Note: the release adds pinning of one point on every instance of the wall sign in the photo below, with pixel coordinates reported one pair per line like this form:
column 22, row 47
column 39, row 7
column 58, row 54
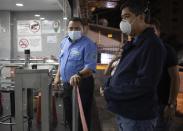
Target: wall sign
column 29, row 42
column 29, row 35
column 50, row 26
column 23, row 43
column 29, row 27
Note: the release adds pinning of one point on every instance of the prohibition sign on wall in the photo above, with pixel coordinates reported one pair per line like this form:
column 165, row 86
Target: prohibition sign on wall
column 35, row 26
column 23, row 43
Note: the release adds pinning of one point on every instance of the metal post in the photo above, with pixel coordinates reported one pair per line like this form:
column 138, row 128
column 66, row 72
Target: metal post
column 19, row 103
column 75, row 111
column 30, row 107
column 45, row 104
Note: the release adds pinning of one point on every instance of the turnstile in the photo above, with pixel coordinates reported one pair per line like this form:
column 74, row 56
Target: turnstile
column 27, row 79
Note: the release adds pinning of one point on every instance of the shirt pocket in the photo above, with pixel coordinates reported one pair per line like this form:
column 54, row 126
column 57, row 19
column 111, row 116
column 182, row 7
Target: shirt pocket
column 75, row 60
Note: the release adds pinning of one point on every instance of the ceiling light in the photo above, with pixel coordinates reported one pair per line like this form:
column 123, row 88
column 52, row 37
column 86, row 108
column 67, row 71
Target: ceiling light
column 37, row 15
column 19, row 4
column 111, row 4
column 42, row 18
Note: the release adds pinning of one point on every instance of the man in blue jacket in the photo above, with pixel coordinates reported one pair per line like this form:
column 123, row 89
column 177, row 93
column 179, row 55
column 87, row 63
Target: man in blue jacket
column 131, row 92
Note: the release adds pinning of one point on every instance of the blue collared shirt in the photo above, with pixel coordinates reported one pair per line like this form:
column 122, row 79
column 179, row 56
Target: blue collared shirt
column 76, row 56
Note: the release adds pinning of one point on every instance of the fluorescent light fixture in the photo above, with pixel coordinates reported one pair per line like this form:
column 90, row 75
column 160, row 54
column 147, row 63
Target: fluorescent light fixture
column 65, row 18
column 19, row 4
column 42, row 18
column 37, row 15
column 111, row 4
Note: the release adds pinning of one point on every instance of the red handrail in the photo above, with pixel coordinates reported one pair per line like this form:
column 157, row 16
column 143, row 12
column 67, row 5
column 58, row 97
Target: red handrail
column 82, row 116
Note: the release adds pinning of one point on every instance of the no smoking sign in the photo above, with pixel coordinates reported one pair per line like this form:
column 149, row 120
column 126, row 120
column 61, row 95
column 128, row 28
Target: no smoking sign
column 23, row 43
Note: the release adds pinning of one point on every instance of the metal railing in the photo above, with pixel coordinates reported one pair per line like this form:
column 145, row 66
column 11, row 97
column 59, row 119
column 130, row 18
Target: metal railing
column 75, row 111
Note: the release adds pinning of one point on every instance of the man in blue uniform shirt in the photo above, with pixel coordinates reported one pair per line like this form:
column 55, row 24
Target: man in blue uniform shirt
column 77, row 62
column 131, row 92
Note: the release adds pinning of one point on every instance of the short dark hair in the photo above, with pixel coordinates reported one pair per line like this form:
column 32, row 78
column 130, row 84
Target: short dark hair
column 155, row 22
column 135, row 6
column 76, row 19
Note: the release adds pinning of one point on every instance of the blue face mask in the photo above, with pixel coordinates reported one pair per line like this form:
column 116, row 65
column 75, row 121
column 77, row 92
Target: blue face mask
column 74, row 35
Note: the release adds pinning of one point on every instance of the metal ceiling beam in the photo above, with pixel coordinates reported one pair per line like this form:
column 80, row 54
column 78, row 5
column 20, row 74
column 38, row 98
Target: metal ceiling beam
column 60, row 5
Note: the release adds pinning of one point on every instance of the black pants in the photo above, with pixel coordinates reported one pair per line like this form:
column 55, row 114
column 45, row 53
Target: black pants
column 86, row 89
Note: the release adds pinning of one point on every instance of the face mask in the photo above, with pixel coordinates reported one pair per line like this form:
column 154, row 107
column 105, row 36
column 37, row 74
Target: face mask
column 74, row 35
column 125, row 27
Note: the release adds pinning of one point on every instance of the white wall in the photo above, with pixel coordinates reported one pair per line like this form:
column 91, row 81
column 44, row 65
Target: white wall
column 5, row 39
column 47, row 48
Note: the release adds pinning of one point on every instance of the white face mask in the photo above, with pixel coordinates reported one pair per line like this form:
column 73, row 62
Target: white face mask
column 125, row 27
column 74, row 35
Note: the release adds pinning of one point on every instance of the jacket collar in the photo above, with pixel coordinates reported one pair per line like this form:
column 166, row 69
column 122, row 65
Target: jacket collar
column 138, row 40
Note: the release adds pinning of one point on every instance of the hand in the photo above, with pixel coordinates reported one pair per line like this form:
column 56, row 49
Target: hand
column 75, row 80
column 56, row 82
column 169, row 113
